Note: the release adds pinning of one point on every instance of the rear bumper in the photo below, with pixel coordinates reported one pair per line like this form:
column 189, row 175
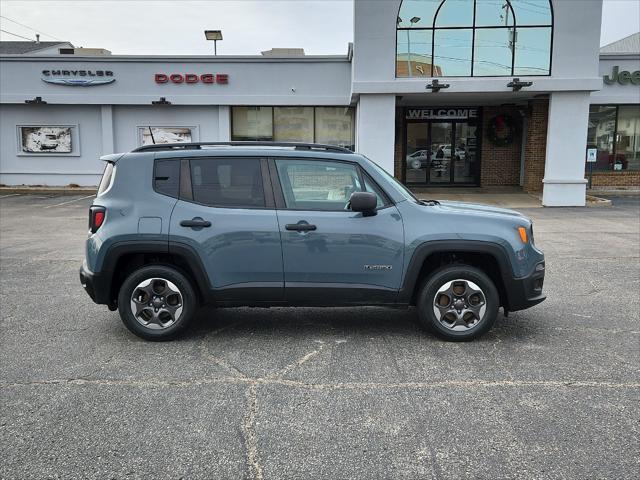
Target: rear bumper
column 526, row 292
column 95, row 285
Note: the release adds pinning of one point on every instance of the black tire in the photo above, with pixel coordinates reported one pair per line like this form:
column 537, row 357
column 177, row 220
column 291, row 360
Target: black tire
column 188, row 302
column 427, row 293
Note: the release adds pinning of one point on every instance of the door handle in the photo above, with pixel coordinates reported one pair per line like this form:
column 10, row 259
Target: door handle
column 195, row 222
column 300, row 227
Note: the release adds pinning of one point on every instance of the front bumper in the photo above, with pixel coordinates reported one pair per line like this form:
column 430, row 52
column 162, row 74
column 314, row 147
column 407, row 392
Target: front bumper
column 95, row 285
column 525, row 292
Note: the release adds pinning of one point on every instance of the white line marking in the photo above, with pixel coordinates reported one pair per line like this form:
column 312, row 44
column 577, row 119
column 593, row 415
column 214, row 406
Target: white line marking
column 10, row 195
column 70, row 201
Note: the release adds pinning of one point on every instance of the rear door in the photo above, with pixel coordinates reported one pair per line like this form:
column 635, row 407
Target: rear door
column 332, row 255
column 226, row 215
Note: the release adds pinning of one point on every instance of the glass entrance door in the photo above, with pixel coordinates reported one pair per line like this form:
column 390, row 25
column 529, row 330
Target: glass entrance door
column 418, row 154
column 441, row 153
column 441, row 141
column 466, row 167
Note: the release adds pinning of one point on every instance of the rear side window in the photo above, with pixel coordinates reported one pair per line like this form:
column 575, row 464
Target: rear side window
column 107, row 178
column 227, row 182
column 166, row 177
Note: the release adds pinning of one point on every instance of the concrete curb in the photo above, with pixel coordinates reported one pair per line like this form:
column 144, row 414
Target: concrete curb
column 24, row 190
column 593, row 201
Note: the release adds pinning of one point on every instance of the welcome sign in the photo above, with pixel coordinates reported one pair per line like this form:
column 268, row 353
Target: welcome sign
column 453, row 113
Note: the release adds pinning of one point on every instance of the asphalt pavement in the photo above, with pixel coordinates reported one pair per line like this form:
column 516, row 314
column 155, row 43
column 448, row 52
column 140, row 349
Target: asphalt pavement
column 551, row 392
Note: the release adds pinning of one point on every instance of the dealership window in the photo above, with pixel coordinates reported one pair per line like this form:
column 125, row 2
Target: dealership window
column 473, row 38
column 614, row 130
column 151, row 135
column 48, row 140
column 330, row 125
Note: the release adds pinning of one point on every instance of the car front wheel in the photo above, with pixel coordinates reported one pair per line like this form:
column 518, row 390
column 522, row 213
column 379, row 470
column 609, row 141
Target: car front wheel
column 458, row 303
column 157, row 302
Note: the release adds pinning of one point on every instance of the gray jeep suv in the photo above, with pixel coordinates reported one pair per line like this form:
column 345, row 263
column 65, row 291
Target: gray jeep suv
column 175, row 226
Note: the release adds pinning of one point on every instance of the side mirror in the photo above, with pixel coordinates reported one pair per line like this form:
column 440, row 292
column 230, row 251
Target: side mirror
column 364, row 202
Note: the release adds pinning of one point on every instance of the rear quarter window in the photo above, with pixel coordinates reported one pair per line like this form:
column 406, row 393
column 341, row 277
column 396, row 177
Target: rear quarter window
column 166, row 177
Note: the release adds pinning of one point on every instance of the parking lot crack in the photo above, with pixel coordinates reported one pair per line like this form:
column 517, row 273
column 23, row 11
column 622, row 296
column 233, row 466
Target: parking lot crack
column 298, row 363
column 249, row 433
column 204, row 350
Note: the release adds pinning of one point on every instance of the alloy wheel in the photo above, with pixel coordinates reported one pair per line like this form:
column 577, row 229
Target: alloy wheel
column 459, row 305
column 156, row 303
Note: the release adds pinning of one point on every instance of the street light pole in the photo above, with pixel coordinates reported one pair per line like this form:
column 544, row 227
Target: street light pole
column 412, row 21
column 214, row 35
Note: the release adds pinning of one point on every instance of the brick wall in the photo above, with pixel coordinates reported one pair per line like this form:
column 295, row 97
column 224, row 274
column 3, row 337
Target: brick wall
column 623, row 179
column 536, row 145
column 499, row 165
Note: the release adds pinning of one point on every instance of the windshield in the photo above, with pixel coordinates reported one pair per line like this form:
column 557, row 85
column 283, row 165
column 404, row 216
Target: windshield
column 393, row 180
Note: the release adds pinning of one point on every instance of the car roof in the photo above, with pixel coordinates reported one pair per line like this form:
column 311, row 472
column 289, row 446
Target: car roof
column 248, row 149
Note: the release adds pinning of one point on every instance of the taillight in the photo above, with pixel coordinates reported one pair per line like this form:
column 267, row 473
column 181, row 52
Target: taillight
column 96, row 218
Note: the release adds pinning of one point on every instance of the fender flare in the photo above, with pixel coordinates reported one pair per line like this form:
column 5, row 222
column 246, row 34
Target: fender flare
column 186, row 253
column 428, row 248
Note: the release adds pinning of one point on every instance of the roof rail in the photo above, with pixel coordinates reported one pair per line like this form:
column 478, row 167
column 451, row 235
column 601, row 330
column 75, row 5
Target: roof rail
column 199, row 145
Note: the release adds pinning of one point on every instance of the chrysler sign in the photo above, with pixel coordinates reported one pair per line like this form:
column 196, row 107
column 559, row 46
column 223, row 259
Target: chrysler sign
column 208, row 78
column 78, row 78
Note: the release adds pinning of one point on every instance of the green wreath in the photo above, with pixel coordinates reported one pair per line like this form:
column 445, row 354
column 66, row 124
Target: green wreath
column 502, row 130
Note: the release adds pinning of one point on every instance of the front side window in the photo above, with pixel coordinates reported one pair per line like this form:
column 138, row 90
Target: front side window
column 473, row 38
column 227, row 182
column 317, row 185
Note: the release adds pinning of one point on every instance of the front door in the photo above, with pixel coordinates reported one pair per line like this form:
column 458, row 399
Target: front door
column 332, row 255
column 441, row 153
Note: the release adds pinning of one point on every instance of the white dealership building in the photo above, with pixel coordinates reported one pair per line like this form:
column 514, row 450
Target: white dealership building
column 438, row 92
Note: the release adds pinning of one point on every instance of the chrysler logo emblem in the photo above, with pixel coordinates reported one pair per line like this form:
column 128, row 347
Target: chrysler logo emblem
column 78, row 78
column 79, row 82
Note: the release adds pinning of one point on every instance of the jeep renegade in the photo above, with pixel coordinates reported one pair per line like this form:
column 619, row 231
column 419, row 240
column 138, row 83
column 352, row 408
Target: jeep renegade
column 175, row 226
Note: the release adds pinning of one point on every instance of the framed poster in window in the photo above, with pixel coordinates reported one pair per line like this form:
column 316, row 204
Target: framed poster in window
column 149, row 135
column 48, row 140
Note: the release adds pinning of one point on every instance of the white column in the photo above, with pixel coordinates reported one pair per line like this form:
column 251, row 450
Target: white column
column 564, row 182
column 375, row 128
column 106, row 117
column 224, row 123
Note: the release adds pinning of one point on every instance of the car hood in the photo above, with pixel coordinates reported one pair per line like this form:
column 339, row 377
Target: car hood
column 463, row 207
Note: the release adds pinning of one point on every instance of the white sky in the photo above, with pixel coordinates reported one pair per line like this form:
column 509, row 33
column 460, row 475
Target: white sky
column 248, row 26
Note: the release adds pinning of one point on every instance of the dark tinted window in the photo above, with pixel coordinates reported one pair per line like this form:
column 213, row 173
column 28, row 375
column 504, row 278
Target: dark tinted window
column 227, row 182
column 167, row 177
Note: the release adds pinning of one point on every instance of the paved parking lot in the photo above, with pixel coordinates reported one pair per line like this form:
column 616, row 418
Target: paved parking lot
column 551, row 392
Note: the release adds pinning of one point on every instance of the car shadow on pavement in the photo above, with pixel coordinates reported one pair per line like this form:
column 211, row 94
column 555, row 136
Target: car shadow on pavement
column 341, row 321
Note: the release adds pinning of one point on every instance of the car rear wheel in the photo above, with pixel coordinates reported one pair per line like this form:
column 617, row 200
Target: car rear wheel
column 458, row 303
column 156, row 302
